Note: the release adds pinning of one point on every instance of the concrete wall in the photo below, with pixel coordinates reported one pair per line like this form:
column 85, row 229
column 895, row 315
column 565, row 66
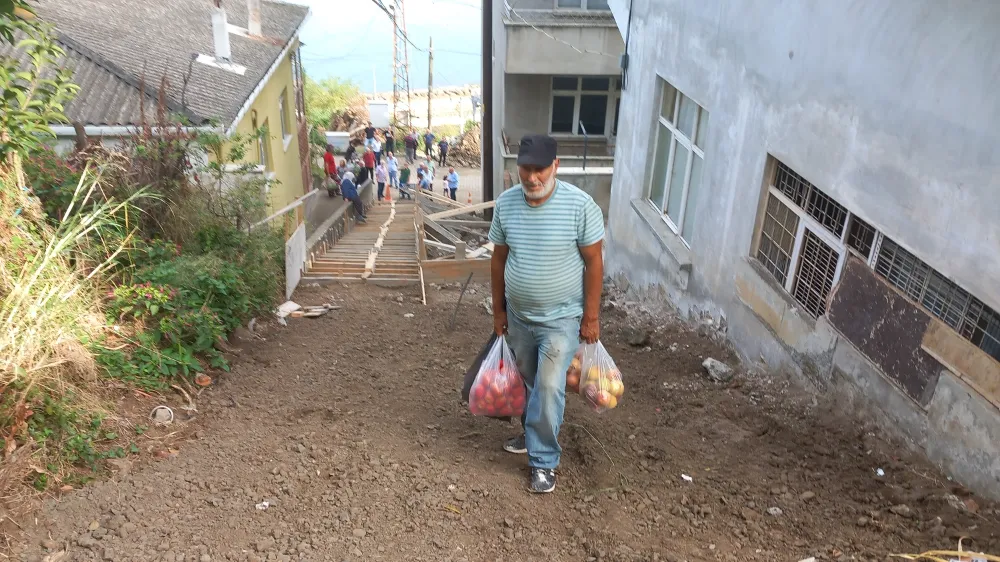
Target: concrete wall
column 529, row 102
column 498, row 111
column 532, row 52
column 888, row 108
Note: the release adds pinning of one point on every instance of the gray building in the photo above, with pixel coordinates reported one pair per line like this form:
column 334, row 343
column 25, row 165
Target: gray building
column 822, row 179
column 556, row 70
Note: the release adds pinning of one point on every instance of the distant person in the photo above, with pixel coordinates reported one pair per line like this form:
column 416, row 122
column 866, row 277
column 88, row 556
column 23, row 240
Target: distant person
column 363, row 176
column 443, row 152
column 404, row 183
column 369, row 161
column 369, row 135
column 410, row 142
column 390, row 141
column 381, row 176
column 425, row 181
column 393, row 165
column 332, row 179
column 451, row 182
column 342, row 168
column 429, row 144
column 349, row 154
column 350, row 191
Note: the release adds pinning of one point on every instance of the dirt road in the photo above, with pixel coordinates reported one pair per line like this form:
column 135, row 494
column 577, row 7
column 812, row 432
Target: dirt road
column 350, row 428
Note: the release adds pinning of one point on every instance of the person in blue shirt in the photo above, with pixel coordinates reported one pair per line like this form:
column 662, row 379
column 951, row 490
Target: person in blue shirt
column 429, row 144
column 451, row 181
column 350, row 192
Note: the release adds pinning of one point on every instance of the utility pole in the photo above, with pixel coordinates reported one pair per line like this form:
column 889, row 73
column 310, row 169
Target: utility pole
column 400, row 67
column 430, row 79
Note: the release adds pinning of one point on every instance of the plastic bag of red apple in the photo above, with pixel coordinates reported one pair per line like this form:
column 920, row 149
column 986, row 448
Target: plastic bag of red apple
column 498, row 390
column 594, row 375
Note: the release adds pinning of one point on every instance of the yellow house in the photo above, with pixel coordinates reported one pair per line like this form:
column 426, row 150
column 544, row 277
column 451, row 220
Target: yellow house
column 228, row 66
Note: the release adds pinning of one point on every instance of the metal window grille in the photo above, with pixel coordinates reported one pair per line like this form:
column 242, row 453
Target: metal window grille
column 982, row 327
column 794, row 186
column 829, row 213
column 817, row 268
column 777, row 238
column 861, row 236
column 902, row 269
column 946, row 300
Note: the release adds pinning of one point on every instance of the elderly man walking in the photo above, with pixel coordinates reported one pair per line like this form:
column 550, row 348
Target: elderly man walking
column 547, row 271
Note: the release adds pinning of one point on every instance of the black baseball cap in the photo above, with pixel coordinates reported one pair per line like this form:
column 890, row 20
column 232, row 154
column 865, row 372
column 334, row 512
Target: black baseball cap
column 537, row 150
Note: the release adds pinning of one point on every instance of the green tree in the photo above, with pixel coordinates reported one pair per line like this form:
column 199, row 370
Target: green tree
column 328, row 98
column 30, row 98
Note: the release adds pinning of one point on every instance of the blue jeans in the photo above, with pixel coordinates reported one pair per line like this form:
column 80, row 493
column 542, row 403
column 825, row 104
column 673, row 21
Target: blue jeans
column 394, row 178
column 543, row 353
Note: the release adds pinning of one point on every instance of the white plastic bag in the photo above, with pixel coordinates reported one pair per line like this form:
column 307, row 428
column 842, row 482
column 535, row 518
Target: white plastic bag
column 600, row 381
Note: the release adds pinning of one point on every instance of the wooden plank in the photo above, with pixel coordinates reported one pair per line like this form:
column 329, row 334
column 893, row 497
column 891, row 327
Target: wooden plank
column 886, row 327
column 964, row 358
column 445, row 201
column 443, row 231
column 457, row 212
column 439, row 245
column 465, row 222
column 457, row 270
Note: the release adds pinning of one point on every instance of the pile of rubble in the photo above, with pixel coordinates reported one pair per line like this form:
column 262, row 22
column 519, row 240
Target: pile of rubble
column 468, row 151
column 354, row 118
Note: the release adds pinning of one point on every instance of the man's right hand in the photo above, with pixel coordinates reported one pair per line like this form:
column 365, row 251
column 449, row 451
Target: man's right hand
column 499, row 322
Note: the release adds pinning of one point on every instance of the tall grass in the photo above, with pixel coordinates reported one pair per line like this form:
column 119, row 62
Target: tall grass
column 51, row 301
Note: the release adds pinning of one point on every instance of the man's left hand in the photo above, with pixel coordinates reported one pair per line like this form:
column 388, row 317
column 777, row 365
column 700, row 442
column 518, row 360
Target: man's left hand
column 590, row 330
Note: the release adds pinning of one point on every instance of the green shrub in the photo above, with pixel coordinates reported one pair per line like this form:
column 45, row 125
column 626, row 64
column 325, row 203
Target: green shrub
column 52, row 179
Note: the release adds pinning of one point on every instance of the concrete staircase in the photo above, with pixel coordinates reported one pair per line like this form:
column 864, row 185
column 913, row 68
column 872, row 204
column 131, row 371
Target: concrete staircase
column 396, row 263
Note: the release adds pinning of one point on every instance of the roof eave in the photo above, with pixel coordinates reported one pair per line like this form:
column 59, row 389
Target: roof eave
column 267, row 75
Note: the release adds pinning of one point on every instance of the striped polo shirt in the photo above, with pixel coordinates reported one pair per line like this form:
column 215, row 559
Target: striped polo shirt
column 544, row 273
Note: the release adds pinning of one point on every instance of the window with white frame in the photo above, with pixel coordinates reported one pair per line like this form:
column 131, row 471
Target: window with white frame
column 678, row 158
column 263, row 149
column 804, row 239
column 601, row 5
column 286, row 130
column 584, row 104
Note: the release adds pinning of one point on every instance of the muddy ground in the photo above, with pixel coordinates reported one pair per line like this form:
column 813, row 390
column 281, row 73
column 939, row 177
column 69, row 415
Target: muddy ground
column 350, row 427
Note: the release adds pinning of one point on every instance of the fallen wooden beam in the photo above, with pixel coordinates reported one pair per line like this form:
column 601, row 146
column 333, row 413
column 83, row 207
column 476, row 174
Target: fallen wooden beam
column 456, row 212
column 447, row 201
column 466, row 222
column 443, row 231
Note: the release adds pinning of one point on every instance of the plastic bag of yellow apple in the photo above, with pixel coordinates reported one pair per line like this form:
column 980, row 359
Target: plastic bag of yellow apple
column 600, row 381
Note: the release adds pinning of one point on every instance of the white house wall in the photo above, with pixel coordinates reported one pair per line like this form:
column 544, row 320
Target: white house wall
column 888, row 107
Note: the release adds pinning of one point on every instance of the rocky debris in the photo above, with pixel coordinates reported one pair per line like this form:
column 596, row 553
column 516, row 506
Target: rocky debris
column 901, row 510
column 467, row 152
column 638, row 337
column 717, row 371
column 353, row 433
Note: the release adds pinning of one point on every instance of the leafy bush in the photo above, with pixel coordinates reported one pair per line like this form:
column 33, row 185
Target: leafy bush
column 52, row 179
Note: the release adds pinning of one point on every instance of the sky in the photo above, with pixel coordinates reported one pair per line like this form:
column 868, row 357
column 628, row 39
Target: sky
column 349, row 39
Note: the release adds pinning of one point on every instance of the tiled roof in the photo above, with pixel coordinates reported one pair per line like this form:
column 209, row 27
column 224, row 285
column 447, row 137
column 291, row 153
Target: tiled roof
column 114, row 46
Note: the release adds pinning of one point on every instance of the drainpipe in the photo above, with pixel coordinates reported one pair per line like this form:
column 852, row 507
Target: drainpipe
column 253, row 18
column 487, row 109
column 220, row 33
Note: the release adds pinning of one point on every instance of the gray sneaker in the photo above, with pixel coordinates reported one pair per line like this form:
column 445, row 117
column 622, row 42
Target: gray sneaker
column 543, row 480
column 516, row 445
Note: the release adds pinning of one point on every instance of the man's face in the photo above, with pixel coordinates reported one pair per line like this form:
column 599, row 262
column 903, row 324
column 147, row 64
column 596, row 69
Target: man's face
column 451, row 170
column 538, row 183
